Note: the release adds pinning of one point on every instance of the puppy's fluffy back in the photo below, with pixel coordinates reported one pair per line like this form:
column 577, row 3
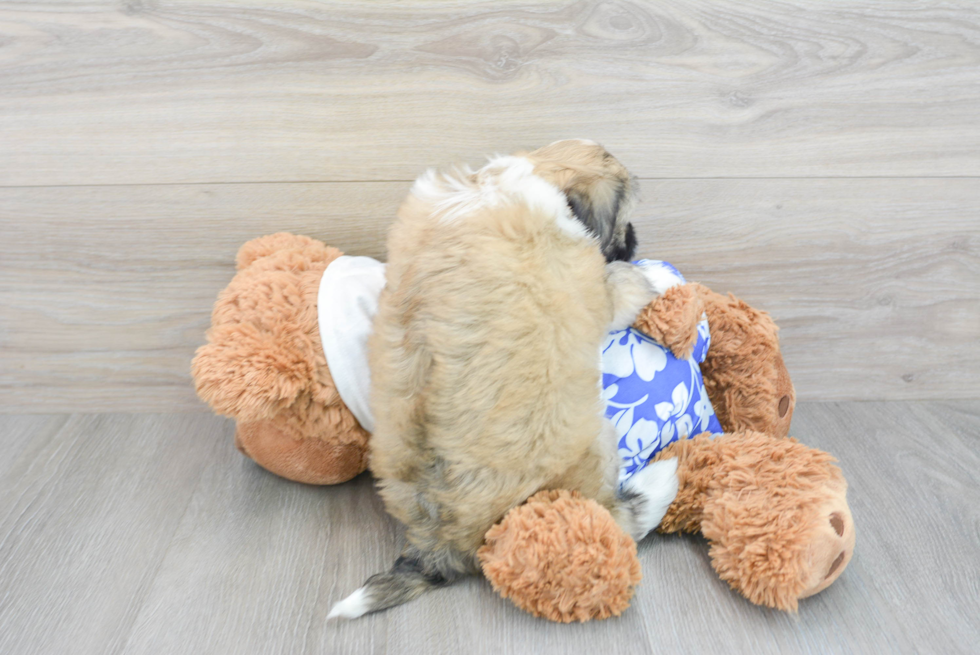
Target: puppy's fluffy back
column 485, row 350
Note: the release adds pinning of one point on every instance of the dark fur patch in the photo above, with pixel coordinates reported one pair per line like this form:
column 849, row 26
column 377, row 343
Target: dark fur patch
column 406, row 580
column 409, row 565
column 627, row 250
column 633, row 501
column 415, row 573
column 601, row 222
column 581, row 209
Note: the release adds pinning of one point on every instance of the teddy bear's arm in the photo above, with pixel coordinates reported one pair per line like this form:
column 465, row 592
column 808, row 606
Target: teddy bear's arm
column 671, row 319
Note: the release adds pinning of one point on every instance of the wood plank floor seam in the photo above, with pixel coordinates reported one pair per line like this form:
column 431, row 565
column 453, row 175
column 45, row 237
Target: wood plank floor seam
column 733, row 178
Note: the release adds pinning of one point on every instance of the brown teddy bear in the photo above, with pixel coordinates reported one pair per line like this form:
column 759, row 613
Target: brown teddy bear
column 264, row 365
column 774, row 511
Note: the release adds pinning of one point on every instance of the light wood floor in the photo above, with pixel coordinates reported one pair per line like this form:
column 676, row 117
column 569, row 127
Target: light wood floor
column 152, row 534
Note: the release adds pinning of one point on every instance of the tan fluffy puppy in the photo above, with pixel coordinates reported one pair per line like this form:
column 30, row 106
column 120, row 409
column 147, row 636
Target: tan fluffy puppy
column 485, row 356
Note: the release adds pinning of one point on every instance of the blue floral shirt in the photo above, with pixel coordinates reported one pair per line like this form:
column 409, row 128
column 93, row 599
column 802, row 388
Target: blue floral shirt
column 653, row 398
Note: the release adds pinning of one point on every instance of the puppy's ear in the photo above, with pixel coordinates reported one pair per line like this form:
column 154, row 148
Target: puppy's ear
column 603, row 206
column 627, row 250
column 599, row 189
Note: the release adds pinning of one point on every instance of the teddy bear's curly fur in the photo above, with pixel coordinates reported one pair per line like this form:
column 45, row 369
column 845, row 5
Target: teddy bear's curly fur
column 264, row 366
column 562, row 557
column 773, row 511
column 744, row 373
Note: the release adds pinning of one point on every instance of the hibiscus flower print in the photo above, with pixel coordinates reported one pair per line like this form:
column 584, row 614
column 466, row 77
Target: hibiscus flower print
column 652, row 398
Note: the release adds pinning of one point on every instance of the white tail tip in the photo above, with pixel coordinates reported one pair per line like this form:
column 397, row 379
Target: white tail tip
column 355, row 605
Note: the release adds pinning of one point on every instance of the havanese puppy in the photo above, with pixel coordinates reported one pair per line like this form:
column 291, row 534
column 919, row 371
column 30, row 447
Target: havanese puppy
column 501, row 285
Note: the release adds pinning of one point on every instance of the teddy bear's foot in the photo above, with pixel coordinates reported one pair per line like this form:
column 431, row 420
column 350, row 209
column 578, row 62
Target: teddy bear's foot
column 278, row 449
column 562, row 557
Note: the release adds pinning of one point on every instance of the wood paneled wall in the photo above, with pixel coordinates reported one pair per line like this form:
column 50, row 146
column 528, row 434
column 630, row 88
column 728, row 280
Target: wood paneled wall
column 820, row 160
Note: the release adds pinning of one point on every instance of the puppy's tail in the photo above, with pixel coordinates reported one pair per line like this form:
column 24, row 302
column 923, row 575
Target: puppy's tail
column 407, row 579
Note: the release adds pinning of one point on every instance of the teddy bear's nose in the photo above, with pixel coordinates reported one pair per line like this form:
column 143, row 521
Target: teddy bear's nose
column 783, row 406
column 836, row 564
column 837, row 523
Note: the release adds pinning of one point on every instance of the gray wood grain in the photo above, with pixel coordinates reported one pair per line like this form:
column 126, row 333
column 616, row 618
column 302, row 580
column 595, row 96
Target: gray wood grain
column 151, row 534
column 108, row 92
column 106, row 291
column 88, row 509
column 875, row 283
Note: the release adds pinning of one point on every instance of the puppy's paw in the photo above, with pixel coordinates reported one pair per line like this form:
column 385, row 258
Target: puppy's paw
column 651, row 491
column 629, row 291
column 661, row 277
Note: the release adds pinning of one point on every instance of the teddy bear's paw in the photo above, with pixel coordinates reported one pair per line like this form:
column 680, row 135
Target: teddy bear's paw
column 562, row 557
column 672, row 319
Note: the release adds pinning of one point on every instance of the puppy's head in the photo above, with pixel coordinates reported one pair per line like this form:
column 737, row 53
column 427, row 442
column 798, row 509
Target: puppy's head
column 600, row 191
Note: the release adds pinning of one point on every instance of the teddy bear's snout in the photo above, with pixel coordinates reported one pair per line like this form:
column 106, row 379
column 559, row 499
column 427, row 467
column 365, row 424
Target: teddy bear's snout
column 832, row 548
column 837, row 523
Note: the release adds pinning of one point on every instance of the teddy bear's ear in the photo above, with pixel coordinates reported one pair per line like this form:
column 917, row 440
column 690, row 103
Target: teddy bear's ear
column 261, row 354
column 293, row 245
column 249, row 373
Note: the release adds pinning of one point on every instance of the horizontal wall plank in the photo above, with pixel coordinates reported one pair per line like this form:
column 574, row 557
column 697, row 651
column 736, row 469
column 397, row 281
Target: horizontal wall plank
column 108, row 92
column 875, row 283
column 105, row 292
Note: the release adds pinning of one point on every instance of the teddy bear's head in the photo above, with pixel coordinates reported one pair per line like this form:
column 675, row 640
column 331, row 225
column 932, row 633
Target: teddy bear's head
column 264, row 366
